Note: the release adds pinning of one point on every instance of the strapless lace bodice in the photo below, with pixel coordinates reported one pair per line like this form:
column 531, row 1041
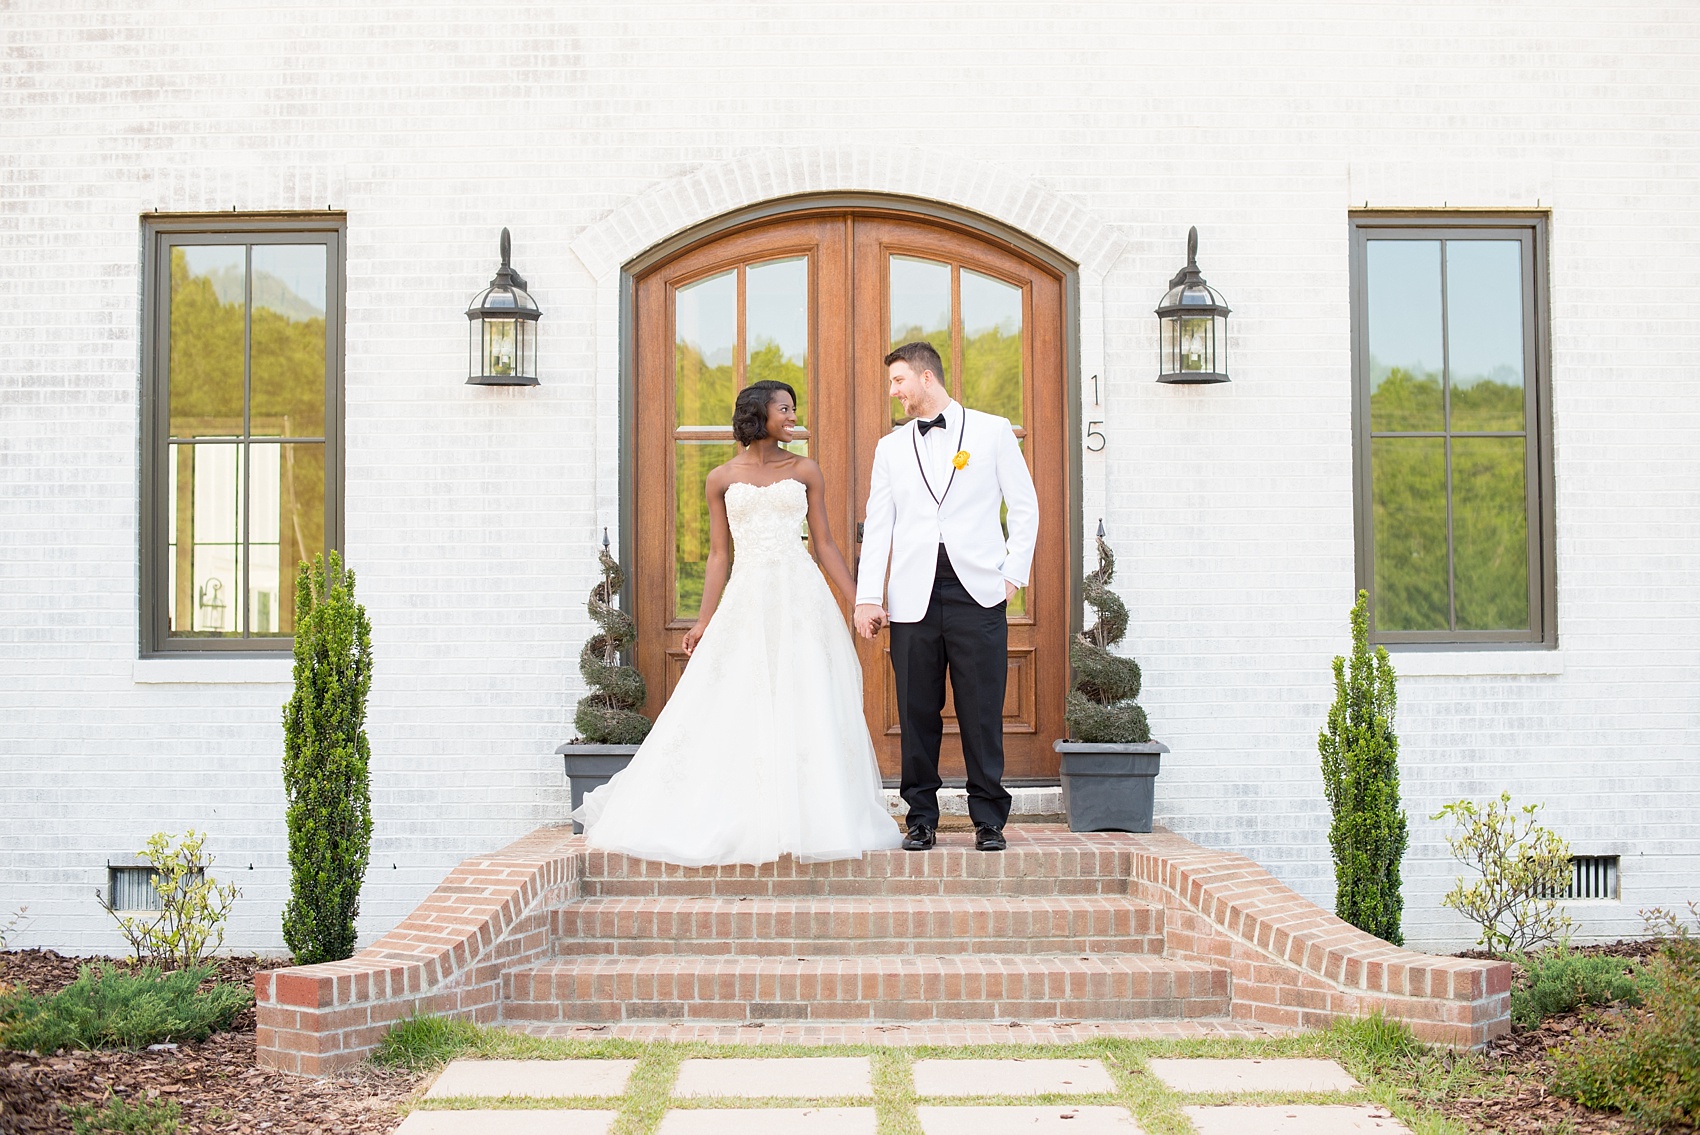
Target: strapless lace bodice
column 766, row 520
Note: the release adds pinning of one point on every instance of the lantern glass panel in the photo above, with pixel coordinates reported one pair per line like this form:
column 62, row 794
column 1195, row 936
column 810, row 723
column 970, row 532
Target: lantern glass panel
column 527, row 348
column 500, row 347
column 475, row 347
column 1197, row 349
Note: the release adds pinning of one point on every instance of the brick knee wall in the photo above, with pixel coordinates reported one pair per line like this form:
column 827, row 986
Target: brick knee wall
column 446, row 958
column 1293, row 963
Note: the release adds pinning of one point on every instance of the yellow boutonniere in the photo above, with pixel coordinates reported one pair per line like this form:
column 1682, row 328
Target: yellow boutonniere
column 961, row 459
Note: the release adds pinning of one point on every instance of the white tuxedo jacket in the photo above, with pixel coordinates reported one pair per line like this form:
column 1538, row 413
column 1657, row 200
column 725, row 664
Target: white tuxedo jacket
column 905, row 526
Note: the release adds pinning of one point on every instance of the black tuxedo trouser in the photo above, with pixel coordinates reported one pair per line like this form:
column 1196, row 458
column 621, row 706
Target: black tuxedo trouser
column 972, row 643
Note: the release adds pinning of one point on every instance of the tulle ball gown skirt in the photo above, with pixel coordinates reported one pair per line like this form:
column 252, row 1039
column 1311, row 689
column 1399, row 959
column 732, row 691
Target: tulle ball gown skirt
column 762, row 750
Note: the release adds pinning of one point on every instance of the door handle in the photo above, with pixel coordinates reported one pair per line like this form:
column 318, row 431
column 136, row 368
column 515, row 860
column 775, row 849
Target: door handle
column 859, row 524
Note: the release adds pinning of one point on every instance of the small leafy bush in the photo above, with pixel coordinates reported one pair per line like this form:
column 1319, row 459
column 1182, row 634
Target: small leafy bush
column 113, row 1008
column 1360, row 776
column 420, row 1044
column 115, row 1117
column 1650, row 1069
column 1521, row 865
column 193, row 906
column 10, row 926
column 1560, row 981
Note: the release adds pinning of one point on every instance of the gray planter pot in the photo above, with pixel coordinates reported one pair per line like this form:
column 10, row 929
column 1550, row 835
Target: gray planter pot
column 589, row 767
column 1109, row 788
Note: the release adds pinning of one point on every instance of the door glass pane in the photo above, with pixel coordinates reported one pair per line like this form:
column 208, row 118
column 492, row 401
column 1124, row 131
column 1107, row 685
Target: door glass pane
column 705, row 325
column 991, row 346
column 920, row 310
column 776, row 332
column 208, row 306
column 692, row 461
column 1405, row 351
column 1484, row 328
column 1408, row 477
column 206, row 545
column 1490, row 533
column 288, row 341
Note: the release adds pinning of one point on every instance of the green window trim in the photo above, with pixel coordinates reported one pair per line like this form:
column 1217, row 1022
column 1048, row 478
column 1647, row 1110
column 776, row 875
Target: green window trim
column 241, row 446
column 1452, row 428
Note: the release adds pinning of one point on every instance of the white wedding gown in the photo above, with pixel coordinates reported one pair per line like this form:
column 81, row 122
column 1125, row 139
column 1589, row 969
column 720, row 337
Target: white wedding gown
column 762, row 750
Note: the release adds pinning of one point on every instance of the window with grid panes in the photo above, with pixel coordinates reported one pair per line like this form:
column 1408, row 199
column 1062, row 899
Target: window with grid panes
column 1454, row 480
column 241, row 427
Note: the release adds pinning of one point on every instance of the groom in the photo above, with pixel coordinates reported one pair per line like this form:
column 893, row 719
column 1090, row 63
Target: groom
column 938, row 483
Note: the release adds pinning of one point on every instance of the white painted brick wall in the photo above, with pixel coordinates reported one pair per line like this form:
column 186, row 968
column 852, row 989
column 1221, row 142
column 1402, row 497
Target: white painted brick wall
column 594, row 129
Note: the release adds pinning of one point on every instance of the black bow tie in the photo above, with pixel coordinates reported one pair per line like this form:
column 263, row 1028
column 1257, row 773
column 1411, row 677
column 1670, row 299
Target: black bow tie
column 936, row 424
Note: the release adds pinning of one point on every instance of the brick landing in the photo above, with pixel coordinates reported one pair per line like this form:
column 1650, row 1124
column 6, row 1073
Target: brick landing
column 943, row 1033
column 1062, row 931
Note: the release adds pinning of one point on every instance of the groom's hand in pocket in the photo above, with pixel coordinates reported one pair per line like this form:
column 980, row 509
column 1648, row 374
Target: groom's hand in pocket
column 869, row 618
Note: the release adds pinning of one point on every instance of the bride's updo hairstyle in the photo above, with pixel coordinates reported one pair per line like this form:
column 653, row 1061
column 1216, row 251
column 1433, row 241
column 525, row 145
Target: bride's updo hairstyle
column 749, row 412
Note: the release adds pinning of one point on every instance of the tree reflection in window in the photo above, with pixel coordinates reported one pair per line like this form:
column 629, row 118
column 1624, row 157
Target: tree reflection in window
column 1448, row 452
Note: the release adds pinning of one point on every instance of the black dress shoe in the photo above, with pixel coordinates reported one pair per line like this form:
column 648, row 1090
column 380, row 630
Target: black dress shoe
column 988, row 838
column 920, row 838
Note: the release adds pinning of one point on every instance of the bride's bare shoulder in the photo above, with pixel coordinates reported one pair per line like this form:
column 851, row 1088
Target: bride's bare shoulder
column 720, row 476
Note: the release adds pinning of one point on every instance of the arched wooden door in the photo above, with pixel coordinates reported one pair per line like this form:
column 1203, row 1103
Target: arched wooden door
column 817, row 300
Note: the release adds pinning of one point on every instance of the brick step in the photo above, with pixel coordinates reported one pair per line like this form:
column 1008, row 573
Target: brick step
column 953, row 868
column 1042, row 924
column 875, row 988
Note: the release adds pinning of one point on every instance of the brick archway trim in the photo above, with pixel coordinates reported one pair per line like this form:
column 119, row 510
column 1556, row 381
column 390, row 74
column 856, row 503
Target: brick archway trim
column 673, row 206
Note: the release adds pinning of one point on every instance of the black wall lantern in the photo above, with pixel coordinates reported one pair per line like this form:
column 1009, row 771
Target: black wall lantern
column 1195, row 325
column 503, row 330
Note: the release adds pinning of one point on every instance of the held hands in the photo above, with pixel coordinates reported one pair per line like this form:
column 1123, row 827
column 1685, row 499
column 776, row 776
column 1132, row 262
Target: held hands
column 869, row 618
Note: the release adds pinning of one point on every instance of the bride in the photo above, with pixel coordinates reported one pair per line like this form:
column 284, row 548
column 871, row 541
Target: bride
column 762, row 750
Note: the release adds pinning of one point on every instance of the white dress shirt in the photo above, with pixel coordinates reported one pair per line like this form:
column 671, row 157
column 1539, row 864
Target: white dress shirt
column 939, row 448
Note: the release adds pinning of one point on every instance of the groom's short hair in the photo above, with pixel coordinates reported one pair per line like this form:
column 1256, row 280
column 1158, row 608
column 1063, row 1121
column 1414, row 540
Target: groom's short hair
column 920, row 356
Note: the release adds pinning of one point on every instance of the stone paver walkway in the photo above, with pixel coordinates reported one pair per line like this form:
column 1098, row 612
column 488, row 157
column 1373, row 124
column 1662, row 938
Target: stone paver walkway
column 771, row 1121
column 1282, row 1075
column 533, row 1078
column 506, row 1123
column 1084, row 1120
column 784, row 1078
column 1295, row 1119
column 1011, row 1078
column 695, row 1101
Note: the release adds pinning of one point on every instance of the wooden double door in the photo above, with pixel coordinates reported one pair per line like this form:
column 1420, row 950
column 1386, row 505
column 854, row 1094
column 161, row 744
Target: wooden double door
column 817, row 300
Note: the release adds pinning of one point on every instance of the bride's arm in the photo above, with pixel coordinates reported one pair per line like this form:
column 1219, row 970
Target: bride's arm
column 831, row 560
column 719, row 564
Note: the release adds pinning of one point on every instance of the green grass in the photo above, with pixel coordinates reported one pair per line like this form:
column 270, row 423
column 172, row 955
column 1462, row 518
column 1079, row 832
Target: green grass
column 1397, row 1072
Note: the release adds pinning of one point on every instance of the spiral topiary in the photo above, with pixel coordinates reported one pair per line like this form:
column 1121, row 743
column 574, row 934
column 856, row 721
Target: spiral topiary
column 608, row 714
column 1101, row 707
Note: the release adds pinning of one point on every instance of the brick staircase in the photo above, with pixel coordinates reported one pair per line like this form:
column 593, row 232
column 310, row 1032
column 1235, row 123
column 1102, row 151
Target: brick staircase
column 1028, row 934
column 548, row 934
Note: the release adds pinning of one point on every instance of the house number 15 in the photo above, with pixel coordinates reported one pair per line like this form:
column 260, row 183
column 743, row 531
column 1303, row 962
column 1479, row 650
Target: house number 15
column 1095, row 440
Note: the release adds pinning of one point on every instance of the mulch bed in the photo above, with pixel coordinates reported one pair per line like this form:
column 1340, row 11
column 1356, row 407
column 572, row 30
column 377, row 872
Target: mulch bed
column 216, row 1082
column 220, row 1090
column 1522, row 1063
